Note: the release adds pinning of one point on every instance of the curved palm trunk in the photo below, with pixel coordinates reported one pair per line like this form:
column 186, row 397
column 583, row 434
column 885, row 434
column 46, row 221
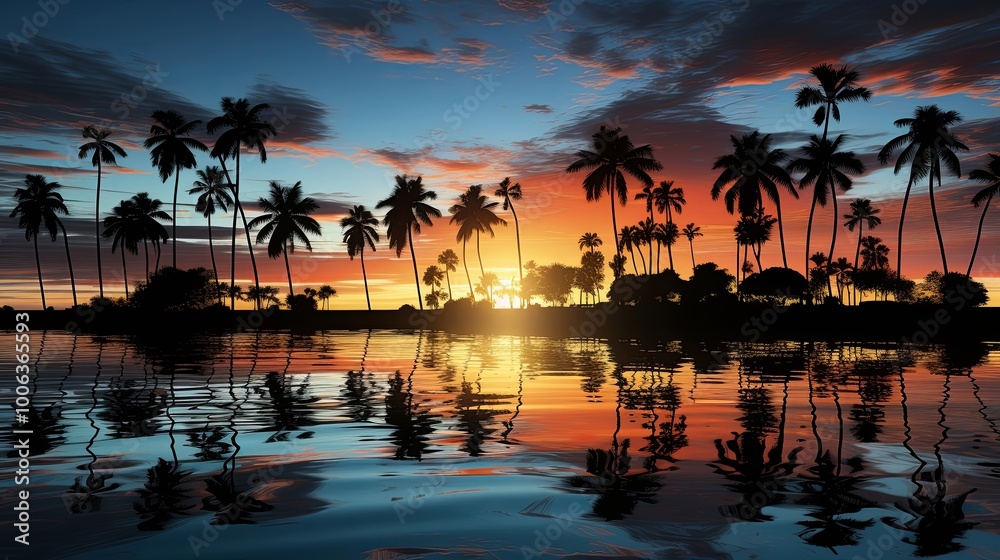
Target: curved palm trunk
column 232, row 253
column 288, row 270
column 736, row 271
column 211, row 251
column 833, row 241
column 156, row 247
column 857, row 252
column 97, row 212
column 645, row 269
column 364, row 275
column 899, row 239
column 614, row 219
column 691, row 243
column 651, row 247
column 72, row 279
column 979, row 235
column 38, row 264
column 781, row 232
column 631, row 252
column 756, row 255
column 413, row 255
column 145, row 250
column 517, row 235
column 465, row 263
column 447, row 275
column 809, row 228
column 177, row 182
column 670, row 253
column 937, row 226
column 124, row 271
column 479, row 253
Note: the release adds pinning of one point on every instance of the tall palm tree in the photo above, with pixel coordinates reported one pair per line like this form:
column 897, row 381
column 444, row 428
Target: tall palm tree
column 359, row 230
column 508, row 193
column 213, row 195
column 242, row 127
column 666, row 235
column 926, row 143
column 825, row 167
column 874, row 254
column 753, row 230
column 626, row 238
column 474, row 215
column 105, row 152
column 990, row 176
column 324, row 294
column 691, row 231
column 590, row 241
column 39, row 204
column 170, row 146
column 148, row 214
column 670, row 199
column 433, row 277
column 449, row 260
column 752, row 171
column 285, row 222
column 408, row 208
column 836, row 85
column 613, row 157
column 125, row 230
column 862, row 214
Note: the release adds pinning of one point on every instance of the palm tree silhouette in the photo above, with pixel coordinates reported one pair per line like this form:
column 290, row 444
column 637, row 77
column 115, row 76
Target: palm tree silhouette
column 862, row 213
column 474, row 214
column 433, row 276
column 824, row 167
column 649, row 193
column 170, row 148
column 665, row 235
column 991, row 177
column 874, row 254
column 105, row 153
column 213, row 195
column 449, row 260
column 927, row 142
column 835, row 86
column 147, row 213
column 644, row 233
column 614, row 156
column 508, row 193
column 752, row 171
column 325, row 293
column 691, row 231
column 625, row 241
column 753, row 230
column 669, row 199
column 590, row 241
column 618, row 265
column 38, row 204
column 408, row 208
column 242, row 128
column 359, row 230
column 285, row 221
column 126, row 231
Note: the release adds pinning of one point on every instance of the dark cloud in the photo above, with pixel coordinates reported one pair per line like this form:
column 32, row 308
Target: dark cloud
column 537, row 108
column 299, row 117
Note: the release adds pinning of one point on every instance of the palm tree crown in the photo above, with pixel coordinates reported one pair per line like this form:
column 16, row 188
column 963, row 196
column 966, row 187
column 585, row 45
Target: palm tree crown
column 285, row 222
column 359, row 230
column 39, row 205
column 104, row 153
column 836, row 85
column 407, row 210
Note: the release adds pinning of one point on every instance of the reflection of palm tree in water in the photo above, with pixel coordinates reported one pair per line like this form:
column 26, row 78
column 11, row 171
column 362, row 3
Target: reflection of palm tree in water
column 618, row 491
column 874, row 389
column 289, row 405
column 210, row 440
column 473, row 419
column 937, row 521
column 509, row 423
column 360, row 389
column 83, row 497
column 410, row 425
column 668, row 437
column 758, row 478
column 44, row 425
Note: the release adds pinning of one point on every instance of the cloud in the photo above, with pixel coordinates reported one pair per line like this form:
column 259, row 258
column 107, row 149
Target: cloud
column 536, row 108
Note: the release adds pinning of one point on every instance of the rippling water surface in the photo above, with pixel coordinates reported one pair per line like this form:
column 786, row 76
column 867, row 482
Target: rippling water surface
column 417, row 445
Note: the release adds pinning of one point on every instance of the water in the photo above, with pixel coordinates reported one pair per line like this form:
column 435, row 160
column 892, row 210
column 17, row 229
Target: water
column 401, row 445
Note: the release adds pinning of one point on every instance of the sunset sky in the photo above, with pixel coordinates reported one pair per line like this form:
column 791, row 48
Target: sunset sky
column 466, row 93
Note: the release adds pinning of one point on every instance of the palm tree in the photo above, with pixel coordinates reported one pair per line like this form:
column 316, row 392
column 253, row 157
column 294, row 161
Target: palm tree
column 408, row 208
column 691, row 231
column 613, row 157
column 170, row 150
column 645, row 233
column 213, row 195
column 126, row 231
column 753, row 230
column 508, row 193
column 862, row 213
column 927, row 142
column 285, row 221
column 650, row 193
column 618, row 265
column 625, row 239
column 39, row 204
column 105, row 153
column 433, row 277
column 488, row 281
column 474, row 214
column 666, row 236
column 835, row 86
column 359, row 230
column 874, row 254
column 670, row 199
column 824, row 166
column 147, row 213
column 752, row 171
column 325, row 293
column 590, row 241
column 449, row 260
column 991, row 177
column 242, row 128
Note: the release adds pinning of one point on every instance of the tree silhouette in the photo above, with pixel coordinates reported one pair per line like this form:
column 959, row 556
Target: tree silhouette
column 508, row 193
column 691, row 231
column 39, row 205
column 359, row 230
column 862, row 214
column 104, row 153
column 126, row 232
column 474, row 215
column 213, row 195
column 449, row 260
column 927, row 142
column 148, row 214
column 590, row 241
column 991, row 177
column 408, row 209
column 669, row 199
column 285, row 222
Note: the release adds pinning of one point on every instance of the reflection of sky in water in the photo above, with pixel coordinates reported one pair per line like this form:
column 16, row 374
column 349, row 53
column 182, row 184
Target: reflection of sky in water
column 485, row 447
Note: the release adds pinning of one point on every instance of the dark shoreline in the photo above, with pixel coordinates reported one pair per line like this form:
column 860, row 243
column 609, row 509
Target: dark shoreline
column 749, row 322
